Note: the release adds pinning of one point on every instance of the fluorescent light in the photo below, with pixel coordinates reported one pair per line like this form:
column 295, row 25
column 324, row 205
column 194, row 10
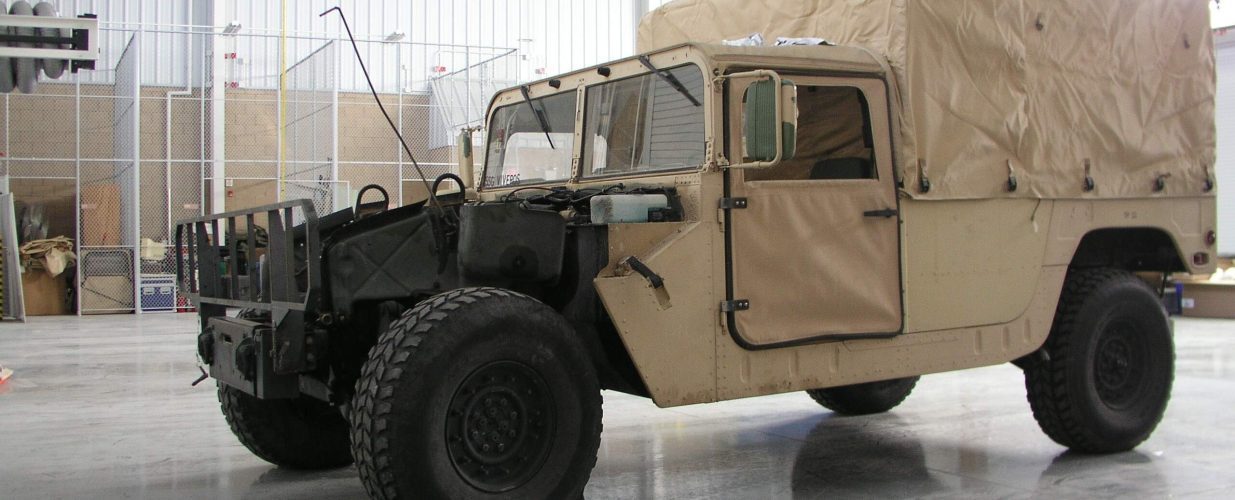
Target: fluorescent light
column 395, row 36
column 231, row 28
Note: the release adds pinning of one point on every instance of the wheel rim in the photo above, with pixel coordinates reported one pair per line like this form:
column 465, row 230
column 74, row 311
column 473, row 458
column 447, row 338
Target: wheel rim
column 1119, row 365
column 500, row 425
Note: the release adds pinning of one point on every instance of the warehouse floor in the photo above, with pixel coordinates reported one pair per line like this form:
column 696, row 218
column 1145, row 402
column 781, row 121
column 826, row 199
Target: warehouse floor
column 101, row 407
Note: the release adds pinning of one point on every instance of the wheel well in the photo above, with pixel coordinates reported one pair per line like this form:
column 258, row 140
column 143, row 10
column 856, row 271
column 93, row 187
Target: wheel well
column 1133, row 248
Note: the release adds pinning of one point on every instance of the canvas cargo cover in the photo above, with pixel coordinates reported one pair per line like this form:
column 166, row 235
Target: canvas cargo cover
column 1037, row 88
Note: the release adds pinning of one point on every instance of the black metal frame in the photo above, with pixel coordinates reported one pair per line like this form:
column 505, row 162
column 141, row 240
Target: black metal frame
column 80, row 40
column 204, row 281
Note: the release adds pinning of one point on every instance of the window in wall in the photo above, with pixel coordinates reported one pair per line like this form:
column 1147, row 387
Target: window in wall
column 644, row 124
column 834, row 139
column 519, row 150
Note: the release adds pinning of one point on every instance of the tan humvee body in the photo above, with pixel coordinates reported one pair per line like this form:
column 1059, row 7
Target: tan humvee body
column 836, row 298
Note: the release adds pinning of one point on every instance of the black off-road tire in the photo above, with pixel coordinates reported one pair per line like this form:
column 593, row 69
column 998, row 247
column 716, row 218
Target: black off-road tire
column 477, row 393
column 301, row 433
column 1105, row 380
column 865, row 399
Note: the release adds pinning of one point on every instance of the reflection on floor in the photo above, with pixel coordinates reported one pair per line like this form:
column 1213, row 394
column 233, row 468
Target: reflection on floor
column 101, row 407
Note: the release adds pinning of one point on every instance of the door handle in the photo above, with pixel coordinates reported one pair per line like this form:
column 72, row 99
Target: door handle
column 885, row 213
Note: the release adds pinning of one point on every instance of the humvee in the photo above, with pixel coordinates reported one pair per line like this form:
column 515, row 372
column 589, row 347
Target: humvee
column 704, row 222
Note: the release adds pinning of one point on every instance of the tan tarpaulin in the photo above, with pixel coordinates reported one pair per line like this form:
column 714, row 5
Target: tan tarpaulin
column 1038, row 87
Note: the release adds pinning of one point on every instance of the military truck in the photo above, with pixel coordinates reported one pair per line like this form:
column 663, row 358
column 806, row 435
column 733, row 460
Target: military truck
column 937, row 186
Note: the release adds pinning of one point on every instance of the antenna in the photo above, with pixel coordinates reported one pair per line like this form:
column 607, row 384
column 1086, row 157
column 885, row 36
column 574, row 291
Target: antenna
column 428, row 188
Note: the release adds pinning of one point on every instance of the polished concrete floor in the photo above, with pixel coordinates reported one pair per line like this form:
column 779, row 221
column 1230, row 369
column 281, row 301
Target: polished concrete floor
column 100, row 407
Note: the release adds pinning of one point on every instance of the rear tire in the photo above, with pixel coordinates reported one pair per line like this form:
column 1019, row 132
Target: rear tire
column 477, row 393
column 1106, row 378
column 301, row 433
column 865, row 399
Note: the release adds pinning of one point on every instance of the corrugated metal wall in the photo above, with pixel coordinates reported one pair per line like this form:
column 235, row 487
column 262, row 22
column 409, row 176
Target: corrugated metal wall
column 167, row 52
column 443, row 36
column 440, row 36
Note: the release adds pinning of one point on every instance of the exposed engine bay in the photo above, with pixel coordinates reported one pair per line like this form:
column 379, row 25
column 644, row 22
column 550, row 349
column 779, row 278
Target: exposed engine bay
column 576, row 205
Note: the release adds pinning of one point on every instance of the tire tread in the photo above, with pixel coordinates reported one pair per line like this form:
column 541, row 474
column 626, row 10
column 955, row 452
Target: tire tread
column 388, row 360
column 1046, row 381
column 846, row 400
column 265, row 433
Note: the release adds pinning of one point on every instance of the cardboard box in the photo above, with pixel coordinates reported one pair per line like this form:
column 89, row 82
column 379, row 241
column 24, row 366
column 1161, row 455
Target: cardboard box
column 1201, row 299
column 45, row 295
column 100, row 215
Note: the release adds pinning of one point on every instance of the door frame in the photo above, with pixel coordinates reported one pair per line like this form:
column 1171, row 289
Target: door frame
column 727, row 185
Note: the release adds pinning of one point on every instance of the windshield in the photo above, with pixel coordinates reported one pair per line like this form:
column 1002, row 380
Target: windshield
column 645, row 123
column 520, row 151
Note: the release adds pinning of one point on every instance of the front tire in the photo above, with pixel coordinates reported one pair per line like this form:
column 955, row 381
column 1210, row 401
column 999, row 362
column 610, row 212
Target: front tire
column 865, row 399
column 301, row 433
column 1105, row 381
column 477, row 393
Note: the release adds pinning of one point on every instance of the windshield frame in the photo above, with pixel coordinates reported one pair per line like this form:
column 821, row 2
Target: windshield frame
column 532, row 103
column 583, row 160
column 578, row 81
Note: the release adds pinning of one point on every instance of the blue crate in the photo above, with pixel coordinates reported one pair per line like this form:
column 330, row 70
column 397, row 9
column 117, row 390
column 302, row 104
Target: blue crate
column 158, row 292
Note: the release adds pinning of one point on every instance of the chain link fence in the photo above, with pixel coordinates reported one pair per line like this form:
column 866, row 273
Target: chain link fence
column 310, row 130
column 109, row 191
column 114, row 157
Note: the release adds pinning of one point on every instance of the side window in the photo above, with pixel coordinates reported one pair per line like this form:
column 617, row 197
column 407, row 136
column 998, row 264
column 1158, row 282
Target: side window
column 834, row 138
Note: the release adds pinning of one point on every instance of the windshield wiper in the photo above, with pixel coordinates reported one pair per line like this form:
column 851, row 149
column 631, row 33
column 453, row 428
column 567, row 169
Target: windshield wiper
column 540, row 115
column 670, row 79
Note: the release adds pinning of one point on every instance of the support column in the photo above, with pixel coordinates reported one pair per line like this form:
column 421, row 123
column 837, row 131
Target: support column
column 218, row 86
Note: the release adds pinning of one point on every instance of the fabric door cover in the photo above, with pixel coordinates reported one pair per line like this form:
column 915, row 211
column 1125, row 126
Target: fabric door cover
column 804, row 253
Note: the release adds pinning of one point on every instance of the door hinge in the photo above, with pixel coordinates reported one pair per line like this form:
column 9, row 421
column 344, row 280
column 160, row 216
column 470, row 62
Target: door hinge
column 734, row 305
column 733, row 203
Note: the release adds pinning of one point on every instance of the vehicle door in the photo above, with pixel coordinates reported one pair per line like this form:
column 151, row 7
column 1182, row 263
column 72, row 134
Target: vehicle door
column 813, row 243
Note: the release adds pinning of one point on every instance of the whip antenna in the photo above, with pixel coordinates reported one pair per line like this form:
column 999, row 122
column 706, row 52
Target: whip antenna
column 429, row 189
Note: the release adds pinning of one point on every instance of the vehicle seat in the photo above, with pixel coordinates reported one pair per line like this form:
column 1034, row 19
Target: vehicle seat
column 842, row 168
